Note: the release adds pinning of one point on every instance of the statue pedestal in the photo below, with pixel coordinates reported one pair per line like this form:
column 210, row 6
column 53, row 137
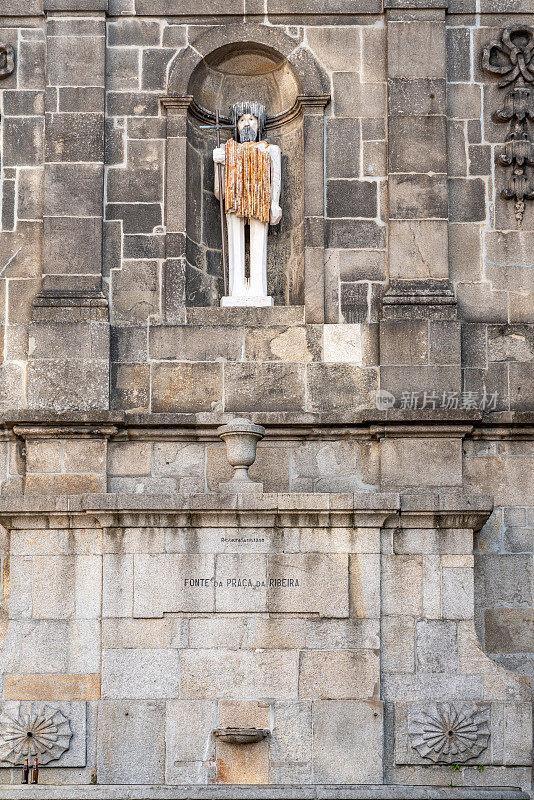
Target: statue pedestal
column 261, row 301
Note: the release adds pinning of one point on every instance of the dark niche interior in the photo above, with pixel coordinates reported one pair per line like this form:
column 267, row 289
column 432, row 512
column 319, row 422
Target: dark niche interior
column 244, row 71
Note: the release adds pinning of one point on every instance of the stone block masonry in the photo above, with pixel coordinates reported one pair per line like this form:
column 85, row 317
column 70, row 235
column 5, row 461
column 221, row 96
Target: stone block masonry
column 210, row 618
column 372, row 595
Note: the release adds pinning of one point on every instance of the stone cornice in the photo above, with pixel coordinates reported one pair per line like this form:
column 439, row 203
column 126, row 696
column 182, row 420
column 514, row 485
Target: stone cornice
column 320, row 509
column 175, row 104
column 363, row 425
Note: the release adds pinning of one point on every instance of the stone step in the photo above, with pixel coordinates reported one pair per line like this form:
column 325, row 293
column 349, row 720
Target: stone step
column 257, row 792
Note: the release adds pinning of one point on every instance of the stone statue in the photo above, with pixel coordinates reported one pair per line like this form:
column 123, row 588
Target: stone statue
column 252, row 176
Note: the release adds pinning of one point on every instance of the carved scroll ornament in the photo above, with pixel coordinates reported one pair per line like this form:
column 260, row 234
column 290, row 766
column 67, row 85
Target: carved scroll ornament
column 7, row 60
column 45, row 733
column 448, row 734
column 512, row 57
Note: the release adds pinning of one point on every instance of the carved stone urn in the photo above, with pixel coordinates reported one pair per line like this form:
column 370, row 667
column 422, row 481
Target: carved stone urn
column 241, row 437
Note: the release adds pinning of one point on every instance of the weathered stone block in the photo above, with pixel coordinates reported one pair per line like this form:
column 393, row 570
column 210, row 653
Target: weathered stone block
column 291, row 740
column 416, row 49
column 401, row 461
column 195, row 343
column 416, row 144
column 129, row 458
column 398, row 644
column 342, row 148
column 323, row 584
column 132, row 32
column 23, row 141
column 355, row 99
column 74, row 385
column 53, row 587
column 337, row 675
column 340, row 387
column 402, row 585
column 85, row 644
column 354, row 301
column 403, row 342
column 418, row 249
column 436, row 646
column 295, row 343
column 258, row 674
column 73, row 190
column 418, row 196
column 351, row 198
column 364, row 572
column 508, row 630
column 74, row 137
column 457, row 597
column 347, row 741
column 117, row 577
column 80, row 340
column 198, row 718
column 349, row 233
column 138, row 673
column 511, row 482
column 127, row 726
column 130, row 387
column 416, row 96
column 127, row 632
column 467, row 200
column 173, row 458
column 255, row 386
column 85, row 455
column 142, row 177
column 517, row 726
column 44, row 646
column 186, row 386
column 505, row 580
column 52, row 687
column 337, row 49
column 342, row 343
column 238, row 765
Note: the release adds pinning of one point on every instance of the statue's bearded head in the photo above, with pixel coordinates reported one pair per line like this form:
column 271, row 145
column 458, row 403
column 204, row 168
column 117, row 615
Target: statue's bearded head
column 247, row 128
column 249, row 119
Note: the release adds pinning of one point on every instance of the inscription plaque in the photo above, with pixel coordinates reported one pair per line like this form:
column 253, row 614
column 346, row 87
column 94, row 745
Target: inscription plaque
column 310, row 583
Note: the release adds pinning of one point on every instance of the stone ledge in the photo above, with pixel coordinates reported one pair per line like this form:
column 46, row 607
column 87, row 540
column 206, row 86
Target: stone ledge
column 277, row 792
column 273, row 315
column 9, row 418
column 216, row 418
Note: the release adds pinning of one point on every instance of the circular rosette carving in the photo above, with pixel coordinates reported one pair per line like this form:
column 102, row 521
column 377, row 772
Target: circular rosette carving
column 44, row 733
column 446, row 734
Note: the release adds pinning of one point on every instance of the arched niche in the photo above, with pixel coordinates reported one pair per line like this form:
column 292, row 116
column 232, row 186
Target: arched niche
column 220, row 67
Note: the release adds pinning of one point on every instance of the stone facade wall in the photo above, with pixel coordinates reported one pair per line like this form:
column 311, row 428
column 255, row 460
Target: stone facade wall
column 398, row 267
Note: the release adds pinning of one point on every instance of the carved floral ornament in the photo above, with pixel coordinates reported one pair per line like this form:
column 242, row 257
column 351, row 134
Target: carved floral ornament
column 44, row 732
column 512, row 57
column 448, row 734
column 7, row 60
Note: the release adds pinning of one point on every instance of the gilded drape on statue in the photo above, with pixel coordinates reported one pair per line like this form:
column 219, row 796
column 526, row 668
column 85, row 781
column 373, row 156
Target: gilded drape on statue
column 247, row 189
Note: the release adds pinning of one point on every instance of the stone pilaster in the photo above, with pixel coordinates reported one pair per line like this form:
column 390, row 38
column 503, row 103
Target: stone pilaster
column 417, row 168
column 314, row 210
column 176, row 206
column 419, row 334
column 69, row 338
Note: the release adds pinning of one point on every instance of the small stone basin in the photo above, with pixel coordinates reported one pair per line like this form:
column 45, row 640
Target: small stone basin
column 241, row 735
